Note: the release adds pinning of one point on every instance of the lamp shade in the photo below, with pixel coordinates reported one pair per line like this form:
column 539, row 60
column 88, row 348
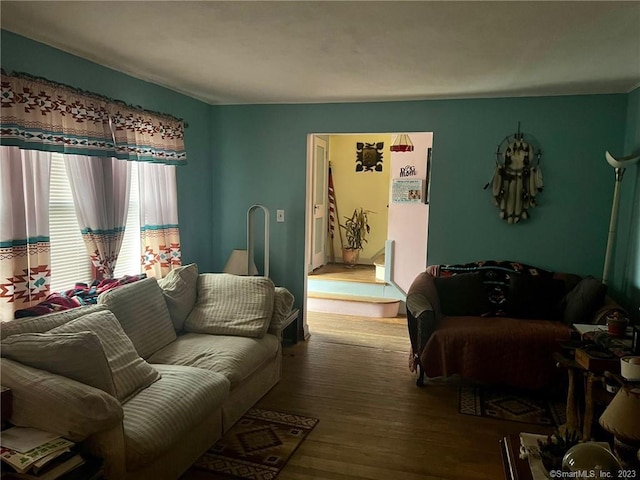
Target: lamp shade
column 622, row 416
column 237, row 264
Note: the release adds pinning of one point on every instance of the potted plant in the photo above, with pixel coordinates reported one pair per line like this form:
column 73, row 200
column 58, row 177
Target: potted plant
column 356, row 230
column 555, row 446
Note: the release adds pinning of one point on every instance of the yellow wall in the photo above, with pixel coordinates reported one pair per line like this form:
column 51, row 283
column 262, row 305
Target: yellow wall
column 369, row 190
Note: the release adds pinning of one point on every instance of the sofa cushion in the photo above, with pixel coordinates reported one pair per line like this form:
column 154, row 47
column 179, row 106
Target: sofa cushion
column 142, row 311
column 159, row 416
column 79, row 356
column 234, row 357
column 130, row 372
column 534, row 297
column 581, row 303
column 73, row 410
column 463, row 294
column 232, row 305
column 44, row 323
column 180, row 290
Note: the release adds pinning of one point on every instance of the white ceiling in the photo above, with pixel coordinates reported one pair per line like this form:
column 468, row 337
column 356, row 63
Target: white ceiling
column 239, row 52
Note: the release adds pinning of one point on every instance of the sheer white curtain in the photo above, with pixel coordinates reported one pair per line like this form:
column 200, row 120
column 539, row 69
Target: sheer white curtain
column 159, row 232
column 100, row 188
column 25, row 273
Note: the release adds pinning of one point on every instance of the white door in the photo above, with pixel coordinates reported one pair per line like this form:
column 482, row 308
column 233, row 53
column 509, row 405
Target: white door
column 320, row 193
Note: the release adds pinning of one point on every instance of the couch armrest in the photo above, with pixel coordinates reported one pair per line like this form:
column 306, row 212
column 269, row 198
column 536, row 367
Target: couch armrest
column 423, row 295
column 608, row 307
column 58, row 404
column 282, row 311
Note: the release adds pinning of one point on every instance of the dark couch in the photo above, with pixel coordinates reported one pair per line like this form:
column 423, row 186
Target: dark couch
column 497, row 322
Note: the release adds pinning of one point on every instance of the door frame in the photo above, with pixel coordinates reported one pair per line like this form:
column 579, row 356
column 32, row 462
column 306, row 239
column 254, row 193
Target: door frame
column 316, row 141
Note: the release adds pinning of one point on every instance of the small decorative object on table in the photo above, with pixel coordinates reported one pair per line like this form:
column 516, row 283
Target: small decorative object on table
column 588, row 457
column 617, row 324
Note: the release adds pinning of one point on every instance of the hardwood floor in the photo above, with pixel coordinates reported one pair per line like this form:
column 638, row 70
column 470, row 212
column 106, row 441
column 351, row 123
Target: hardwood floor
column 352, row 374
column 337, row 271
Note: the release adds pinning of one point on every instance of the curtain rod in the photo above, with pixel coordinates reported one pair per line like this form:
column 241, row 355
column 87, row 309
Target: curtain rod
column 28, row 76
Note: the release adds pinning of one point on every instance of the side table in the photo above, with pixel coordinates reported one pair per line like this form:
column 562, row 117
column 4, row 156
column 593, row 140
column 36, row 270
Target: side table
column 293, row 317
column 515, row 468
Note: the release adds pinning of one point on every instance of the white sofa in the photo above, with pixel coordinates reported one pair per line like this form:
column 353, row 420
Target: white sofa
column 154, row 374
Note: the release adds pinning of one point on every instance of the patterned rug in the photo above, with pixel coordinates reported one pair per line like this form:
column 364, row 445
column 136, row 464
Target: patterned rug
column 258, row 446
column 513, row 405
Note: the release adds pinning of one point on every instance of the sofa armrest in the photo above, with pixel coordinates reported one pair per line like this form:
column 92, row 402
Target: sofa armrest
column 608, row 307
column 283, row 311
column 58, row 404
column 423, row 295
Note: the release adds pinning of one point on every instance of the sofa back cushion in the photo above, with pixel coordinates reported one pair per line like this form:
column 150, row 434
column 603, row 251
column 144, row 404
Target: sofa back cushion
column 180, row 290
column 463, row 294
column 44, row 323
column 232, row 305
column 535, row 297
column 79, row 356
column 142, row 311
column 130, row 372
column 495, row 276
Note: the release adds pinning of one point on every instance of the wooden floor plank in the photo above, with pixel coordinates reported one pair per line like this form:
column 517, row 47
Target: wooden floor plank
column 352, row 374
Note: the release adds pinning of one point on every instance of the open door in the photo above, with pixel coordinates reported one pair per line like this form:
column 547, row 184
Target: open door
column 320, row 192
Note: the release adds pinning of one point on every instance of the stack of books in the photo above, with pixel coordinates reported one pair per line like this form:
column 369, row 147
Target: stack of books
column 35, row 454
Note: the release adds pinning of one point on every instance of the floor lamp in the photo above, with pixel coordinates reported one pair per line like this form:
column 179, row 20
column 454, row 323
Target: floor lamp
column 619, row 166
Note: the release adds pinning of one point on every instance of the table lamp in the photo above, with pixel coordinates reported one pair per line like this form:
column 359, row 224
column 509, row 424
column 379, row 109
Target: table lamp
column 237, row 264
column 622, row 419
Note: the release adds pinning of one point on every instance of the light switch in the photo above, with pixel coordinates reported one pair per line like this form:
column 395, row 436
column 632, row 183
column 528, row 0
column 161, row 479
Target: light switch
column 279, row 216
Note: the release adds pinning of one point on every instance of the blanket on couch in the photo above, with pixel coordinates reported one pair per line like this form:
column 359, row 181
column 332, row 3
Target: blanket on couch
column 81, row 294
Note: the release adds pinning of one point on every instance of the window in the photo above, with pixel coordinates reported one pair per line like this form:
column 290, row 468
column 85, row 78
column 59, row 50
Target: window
column 69, row 261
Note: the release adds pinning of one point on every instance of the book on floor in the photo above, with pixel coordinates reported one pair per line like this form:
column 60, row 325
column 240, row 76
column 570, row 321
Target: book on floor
column 54, row 470
column 21, row 462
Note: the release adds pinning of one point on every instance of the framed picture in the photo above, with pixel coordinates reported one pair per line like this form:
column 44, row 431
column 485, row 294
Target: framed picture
column 369, row 157
column 407, row 190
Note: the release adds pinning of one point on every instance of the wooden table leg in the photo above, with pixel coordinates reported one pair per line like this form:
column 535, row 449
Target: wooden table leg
column 573, row 418
column 590, row 378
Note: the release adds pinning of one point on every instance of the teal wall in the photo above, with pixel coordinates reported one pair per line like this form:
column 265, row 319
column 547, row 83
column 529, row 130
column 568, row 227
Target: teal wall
column 627, row 266
column 241, row 155
column 262, row 158
column 194, row 180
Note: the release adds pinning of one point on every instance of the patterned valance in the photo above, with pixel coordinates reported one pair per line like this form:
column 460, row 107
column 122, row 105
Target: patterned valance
column 37, row 114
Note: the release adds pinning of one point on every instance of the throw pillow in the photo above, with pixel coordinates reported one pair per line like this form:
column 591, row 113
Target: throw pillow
column 180, row 290
column 232, row 305
column 583, row 301
column 532, row 296
column 78, row 356
column 463, row 294
column 142, row 311
column 130, row 372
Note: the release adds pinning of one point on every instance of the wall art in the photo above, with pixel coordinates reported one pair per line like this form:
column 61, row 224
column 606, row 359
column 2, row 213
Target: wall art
column 369, row 157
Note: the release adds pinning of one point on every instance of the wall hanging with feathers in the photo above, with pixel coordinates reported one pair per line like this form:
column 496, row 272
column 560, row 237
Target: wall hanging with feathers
column 518, row 177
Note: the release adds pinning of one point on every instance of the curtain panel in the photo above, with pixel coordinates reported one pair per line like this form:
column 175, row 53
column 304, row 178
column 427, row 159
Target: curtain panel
column 100, row 189
column 25, row 268
column 37, row 114
column 159, row 233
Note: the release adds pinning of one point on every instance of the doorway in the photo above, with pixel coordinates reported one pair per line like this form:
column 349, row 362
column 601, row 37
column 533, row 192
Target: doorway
column 367, row 182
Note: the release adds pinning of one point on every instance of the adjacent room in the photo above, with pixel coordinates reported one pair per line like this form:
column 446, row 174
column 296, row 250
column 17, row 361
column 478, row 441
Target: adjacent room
column 320, row 240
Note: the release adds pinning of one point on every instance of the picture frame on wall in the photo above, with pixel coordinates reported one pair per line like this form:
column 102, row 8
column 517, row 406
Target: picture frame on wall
column 405, row 190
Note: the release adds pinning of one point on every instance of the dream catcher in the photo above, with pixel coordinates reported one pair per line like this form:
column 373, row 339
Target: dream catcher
column 518, row 176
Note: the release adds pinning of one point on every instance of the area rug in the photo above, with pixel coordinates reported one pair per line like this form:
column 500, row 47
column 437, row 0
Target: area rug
column 513, row 405
column 258, row 446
